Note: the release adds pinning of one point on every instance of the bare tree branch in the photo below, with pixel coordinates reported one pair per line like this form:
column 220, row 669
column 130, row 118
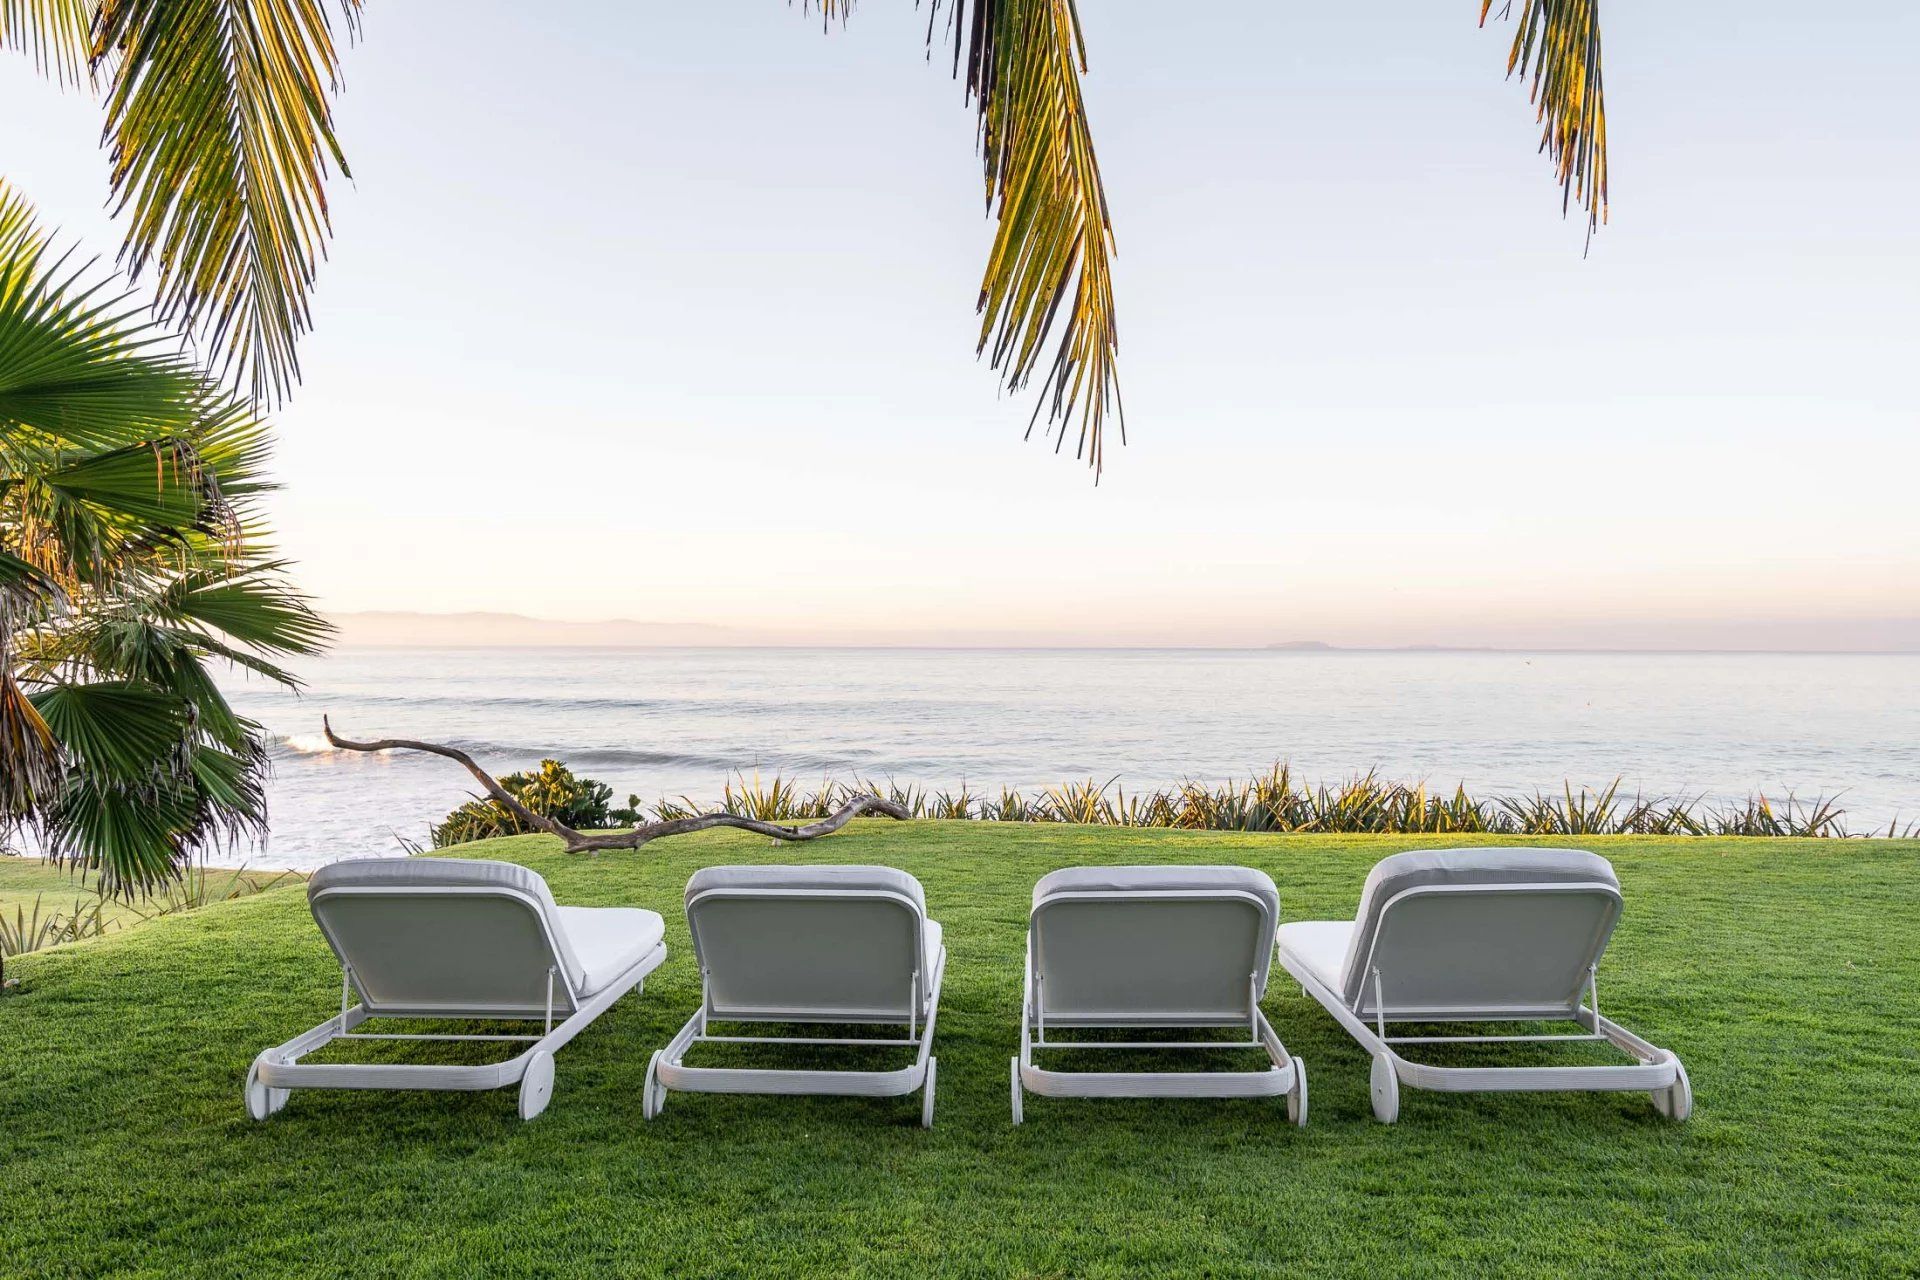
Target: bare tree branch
column 631, row 837
column 494, row 789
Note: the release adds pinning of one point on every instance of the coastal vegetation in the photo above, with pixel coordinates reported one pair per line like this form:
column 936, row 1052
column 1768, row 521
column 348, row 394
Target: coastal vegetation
column 551, row 791
column 133, row 562
column 1781, row 970
column 1275, row 801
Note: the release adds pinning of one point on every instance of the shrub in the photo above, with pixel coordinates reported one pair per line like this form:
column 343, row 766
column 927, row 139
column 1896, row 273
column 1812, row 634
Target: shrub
column 550, row 791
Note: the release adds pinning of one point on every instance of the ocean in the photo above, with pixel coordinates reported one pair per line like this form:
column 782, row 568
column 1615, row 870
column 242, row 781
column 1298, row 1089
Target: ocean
column 674, row 722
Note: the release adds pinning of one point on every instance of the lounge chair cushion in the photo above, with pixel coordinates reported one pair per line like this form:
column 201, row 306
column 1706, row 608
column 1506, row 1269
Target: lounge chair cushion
column 608, row 941
column 853, row 879
column 1320, row 945
column 831, row 958
column 1071, row 883
column 1071, row 880
column 463, row 873
column 1421, row 867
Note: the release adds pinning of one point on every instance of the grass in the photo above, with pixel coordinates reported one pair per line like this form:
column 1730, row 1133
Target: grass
column 24, row 881
column 1782, row 971
column 45, row 905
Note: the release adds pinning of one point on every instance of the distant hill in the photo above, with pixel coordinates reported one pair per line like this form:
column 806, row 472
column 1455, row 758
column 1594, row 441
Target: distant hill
column 442, row 630
column 1303, row 646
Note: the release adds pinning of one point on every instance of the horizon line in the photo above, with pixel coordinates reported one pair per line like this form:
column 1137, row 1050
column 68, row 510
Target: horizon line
column 1278, row 650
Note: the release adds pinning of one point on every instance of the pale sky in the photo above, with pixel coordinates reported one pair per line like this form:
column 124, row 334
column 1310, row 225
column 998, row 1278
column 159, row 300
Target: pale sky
column 665, row 312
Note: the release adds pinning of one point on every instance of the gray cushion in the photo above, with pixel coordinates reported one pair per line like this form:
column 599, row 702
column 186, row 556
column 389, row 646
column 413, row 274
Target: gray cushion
column 377, row 873
column 1070, row 880
column 830, row 878
column 1153, row 959
column 1420, row 867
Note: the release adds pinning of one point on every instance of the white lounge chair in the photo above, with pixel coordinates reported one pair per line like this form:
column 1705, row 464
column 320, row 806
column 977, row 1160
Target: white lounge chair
column 1478, row 935
column 444, row 938
column 821, row 944
column 1152, row 947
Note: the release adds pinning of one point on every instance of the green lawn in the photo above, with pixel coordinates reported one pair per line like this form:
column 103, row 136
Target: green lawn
column 25, row 881
column 1785, row 973
column 30, row 883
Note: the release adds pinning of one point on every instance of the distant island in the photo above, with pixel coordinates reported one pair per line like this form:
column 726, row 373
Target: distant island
column 476, row 628
column 1321, row 646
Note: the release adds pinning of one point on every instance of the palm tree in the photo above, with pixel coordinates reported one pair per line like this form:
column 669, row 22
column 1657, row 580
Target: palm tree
column 131, row 561
column 219, row 118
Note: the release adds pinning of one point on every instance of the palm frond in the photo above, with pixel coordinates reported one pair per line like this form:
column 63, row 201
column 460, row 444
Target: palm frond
column 81, row 365
column 221, row 129
column 116, row 730
column 134, row 839
column 24, row 588
column 1556, row 47
column 1051, row 262
column 160, row 484
column 51, row 32
column 30, row 765
column 130, row 560
column 256, row 608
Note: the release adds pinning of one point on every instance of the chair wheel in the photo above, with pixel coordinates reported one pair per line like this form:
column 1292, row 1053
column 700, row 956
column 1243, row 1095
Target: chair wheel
column 1297, row 1096
column 536, row 1086
column 1675, row 1102
column 1386, row 1089
column 926, row 1095
column 262, row 1101
column 1018, row 1110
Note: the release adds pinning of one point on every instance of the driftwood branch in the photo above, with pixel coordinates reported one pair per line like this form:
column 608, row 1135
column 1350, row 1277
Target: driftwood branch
column 630, row 837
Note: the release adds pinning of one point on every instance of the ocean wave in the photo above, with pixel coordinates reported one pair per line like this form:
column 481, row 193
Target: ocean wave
column 305, row 744
column 720, row 704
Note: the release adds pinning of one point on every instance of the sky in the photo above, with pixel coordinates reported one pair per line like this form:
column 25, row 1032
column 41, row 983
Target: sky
column 666, row 313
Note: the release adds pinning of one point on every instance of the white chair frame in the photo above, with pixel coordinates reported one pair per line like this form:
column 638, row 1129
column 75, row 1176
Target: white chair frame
column 1655, row 1070
column 276, row 1072
column 667, row 1069
column 1287, row 1074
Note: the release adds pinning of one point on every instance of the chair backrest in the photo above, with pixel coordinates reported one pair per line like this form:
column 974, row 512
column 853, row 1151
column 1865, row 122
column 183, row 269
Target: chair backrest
column 1466, row 933
column 1152, row 946
column 446, row 936
column 810, row 944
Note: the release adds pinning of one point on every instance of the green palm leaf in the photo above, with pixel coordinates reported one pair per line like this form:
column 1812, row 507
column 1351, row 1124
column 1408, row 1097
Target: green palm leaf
column 156, row 484
column 115, row 730
column 1051, row 262
column 222, row 131
column 130, row 562
column 1556, row 45
column 23, row 587
column 135, row 839
column 81, row 365
column 51, row 32
column 252, row 607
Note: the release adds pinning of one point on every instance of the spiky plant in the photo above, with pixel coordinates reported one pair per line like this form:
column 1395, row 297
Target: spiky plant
column 132, row 561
